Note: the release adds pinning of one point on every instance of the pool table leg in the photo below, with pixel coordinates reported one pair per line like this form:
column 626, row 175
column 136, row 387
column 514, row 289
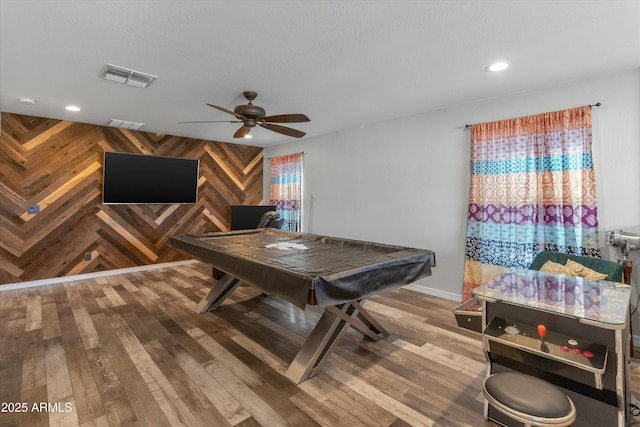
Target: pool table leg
column 362, row 321
column 327, row 333
column 220, row 291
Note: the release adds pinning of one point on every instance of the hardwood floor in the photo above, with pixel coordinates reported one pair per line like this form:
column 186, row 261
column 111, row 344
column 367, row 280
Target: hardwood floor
column 129, row 350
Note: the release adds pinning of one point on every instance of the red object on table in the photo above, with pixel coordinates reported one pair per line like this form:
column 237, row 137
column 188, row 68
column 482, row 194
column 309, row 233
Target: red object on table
column 542, row 331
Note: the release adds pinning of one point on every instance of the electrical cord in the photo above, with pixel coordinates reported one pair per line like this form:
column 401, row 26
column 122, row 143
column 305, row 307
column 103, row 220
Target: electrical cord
column 637, row 302
column 634, row 411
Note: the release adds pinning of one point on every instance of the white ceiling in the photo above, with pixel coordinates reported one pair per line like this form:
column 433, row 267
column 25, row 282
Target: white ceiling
column 344, row 64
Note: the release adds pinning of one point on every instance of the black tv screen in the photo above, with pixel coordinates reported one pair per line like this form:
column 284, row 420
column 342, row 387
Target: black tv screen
column 247, row 217
column 145, row 179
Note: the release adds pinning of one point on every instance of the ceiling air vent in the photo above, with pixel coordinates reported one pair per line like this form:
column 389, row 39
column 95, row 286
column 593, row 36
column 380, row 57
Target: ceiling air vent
column 124, row 124
column 130, row 77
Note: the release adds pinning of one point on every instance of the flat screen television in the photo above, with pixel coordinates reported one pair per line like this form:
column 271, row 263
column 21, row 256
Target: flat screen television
column 144, row 179
column 247, row 217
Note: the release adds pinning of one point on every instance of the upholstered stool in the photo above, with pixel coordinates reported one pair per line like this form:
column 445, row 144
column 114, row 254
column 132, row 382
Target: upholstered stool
column 529, row 400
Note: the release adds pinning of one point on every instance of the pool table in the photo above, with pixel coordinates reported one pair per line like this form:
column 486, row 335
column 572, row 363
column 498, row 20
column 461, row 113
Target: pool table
column 308, row 270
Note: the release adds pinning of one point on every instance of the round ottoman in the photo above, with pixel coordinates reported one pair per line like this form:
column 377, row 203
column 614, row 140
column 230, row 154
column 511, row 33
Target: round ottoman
column 529, row 400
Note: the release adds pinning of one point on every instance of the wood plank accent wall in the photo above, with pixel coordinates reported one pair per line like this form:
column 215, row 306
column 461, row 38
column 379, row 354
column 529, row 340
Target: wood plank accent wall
column 58, row 165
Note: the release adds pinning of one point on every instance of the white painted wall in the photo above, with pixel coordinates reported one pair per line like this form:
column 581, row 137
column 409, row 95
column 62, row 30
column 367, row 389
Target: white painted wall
column 407, row 181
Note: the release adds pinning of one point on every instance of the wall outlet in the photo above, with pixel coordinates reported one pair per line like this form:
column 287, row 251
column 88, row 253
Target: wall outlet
column 87, row 256
column 33, row 209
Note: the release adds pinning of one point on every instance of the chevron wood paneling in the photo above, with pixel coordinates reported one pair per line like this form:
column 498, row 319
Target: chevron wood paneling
column 58, row 165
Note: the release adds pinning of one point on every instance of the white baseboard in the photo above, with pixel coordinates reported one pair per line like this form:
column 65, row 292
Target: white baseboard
column 56, row 280
column 434, row 292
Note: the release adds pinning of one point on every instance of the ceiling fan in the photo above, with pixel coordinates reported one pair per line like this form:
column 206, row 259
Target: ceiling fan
column 251, row 115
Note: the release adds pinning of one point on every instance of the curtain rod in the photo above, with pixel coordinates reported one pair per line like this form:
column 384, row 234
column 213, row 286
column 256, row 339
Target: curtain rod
column 597, row 104
column 302, row 153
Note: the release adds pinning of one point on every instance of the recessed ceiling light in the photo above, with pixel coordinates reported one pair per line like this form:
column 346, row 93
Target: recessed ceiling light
column 72, row 108
column 498, row 66
column 248, row 136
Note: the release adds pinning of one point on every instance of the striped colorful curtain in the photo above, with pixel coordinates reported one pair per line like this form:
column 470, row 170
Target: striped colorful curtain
column 286, row 189
column 532, row 189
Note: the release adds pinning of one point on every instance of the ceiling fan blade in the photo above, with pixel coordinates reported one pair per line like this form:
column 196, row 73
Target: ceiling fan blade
column 213, row 121
column 242, row 132
column 283, row 130
column 240, row 116
column 286, row 118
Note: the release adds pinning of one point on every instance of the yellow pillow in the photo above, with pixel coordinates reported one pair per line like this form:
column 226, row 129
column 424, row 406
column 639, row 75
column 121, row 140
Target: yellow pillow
column 576, row 269
column 553, row 267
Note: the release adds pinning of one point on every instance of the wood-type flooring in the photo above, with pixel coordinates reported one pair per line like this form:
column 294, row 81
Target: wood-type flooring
column 129, row 350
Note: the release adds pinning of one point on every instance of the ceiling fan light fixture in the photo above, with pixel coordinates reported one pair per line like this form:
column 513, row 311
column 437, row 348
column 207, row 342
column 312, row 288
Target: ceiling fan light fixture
column 251, row 115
